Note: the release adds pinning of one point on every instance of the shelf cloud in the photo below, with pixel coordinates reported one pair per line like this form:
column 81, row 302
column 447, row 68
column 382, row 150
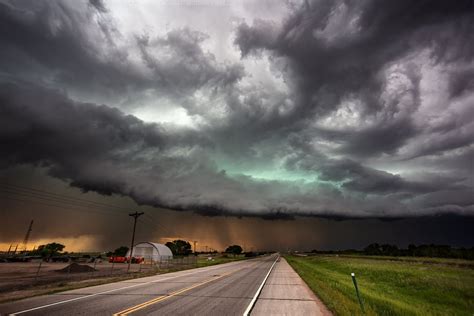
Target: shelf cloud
column 334, row 109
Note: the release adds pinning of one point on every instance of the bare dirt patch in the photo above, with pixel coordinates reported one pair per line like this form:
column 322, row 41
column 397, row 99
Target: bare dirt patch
column 21, row 279
column 76, row 268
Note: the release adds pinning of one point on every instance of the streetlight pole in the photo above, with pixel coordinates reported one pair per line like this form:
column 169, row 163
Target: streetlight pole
column 135, row 217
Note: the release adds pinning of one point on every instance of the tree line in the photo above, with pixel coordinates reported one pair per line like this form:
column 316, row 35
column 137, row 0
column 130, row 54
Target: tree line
column 183, row 248
column 430, row 250
column 178, row 247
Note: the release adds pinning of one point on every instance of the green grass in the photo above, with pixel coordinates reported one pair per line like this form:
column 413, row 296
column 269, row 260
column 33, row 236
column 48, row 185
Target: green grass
column 203, row 262
column 428, row 260
column 388, row 287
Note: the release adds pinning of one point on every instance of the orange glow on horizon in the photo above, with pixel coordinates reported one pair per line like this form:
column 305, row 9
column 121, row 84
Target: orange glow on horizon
column 80, row 244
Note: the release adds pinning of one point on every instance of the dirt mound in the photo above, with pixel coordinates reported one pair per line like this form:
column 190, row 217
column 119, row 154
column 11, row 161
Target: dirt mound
column 76, row 267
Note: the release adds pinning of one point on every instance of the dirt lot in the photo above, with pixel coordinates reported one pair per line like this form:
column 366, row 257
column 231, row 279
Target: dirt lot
column 19, row 279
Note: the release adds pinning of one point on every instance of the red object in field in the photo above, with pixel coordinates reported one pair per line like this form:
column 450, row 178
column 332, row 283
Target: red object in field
column 126, row 259
column 118, row 259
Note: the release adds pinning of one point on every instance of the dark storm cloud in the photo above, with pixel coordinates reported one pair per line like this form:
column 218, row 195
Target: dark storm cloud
column 99, row 5
column 187, row 66
column 48, row 41
column 78, row 48
column 357, row 177
column 101, row 149
column 335, row 49
column 357, row 90
column 41, row 126
column 385, row 137
column 462, row 82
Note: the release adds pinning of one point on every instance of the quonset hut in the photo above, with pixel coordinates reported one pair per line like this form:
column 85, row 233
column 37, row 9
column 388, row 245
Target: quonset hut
column 152, row 251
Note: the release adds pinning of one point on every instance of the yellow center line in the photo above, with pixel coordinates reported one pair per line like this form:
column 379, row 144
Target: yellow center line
column 164, row 297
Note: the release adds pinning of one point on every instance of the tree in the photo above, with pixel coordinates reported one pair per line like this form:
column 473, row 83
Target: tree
column 234, row 249
column 389, row 250
column 179, row 247
column 50, row 249
column 373, row 249
column 120, row 251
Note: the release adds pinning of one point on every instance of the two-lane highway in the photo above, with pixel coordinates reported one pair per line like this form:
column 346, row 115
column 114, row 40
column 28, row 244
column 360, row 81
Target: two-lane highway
column 225, row 289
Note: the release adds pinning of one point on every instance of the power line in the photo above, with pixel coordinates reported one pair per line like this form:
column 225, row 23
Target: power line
column 32, row 195
column 49, row 199
column 157, row 225
column 13, row 186
column 72, row 209
column 150, row 225
column 55, row 195
column 57, row 198
column 49, row 196
column 167, row 228
column 54, row 203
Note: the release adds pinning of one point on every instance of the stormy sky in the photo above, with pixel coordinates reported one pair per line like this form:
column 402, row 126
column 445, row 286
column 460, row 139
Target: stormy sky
column 281, row 112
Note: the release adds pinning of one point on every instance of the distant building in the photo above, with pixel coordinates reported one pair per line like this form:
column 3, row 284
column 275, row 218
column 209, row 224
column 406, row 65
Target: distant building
column 152, row 251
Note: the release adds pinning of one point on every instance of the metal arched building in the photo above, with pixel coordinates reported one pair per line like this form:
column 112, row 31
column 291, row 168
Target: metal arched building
column 152, row 251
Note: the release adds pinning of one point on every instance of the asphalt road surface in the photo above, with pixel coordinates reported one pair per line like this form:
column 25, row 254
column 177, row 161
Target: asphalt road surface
column 226, row 289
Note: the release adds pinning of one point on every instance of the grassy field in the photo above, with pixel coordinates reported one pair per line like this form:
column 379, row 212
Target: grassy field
column 204, row 262
column 388, row 287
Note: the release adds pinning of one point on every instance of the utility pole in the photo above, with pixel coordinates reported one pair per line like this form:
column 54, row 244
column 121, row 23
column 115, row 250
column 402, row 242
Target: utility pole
column 27, row 236
column 135, row 216
column 195, row 246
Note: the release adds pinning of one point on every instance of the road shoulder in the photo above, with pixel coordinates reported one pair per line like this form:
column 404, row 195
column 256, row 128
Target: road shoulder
column 285, row 293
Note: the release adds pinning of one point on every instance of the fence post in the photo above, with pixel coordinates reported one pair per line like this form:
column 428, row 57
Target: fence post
column 69, row 266
column 95, row 263
column 112, row 269
column 357, row 292
column 39, row 268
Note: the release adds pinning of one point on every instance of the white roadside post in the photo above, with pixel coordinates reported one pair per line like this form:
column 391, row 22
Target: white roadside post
column 357, row 291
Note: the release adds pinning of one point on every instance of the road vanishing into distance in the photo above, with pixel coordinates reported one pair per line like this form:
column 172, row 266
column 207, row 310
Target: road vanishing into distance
column 261, row 286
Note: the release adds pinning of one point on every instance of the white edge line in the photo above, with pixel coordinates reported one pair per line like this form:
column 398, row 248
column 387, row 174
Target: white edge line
column 109, row 291
column 254, row 299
